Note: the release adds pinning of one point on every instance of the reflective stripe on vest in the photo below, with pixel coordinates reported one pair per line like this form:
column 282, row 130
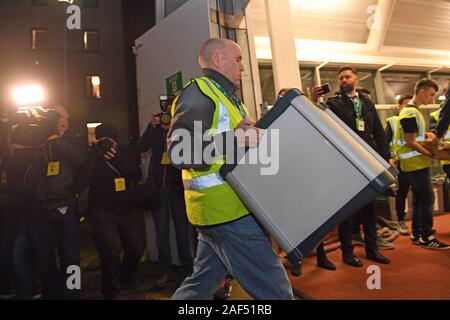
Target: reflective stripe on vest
column 409, row 155
column 395, row 142
column 203, row 182
column 411, row 160
column 209, row 199
column 224, row 117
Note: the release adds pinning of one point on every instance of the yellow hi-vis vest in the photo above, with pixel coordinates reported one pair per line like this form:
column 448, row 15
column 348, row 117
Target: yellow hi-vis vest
column 209, row 199
column 411, row 160
column 395, row 143
column 435, row 115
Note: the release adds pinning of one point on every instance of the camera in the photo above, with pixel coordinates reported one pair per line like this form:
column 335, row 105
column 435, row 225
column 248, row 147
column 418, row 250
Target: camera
column 31, row 126
column 103, row 145
column 165, row 103
column 166, row 118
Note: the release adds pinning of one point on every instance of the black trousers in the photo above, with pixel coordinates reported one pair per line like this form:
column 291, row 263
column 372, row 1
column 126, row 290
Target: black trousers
column 49, row 230
column 423, row 200
column 368, row 219
column 447, row 170
column 114, row 233
column 173, row 205
column 404, row 185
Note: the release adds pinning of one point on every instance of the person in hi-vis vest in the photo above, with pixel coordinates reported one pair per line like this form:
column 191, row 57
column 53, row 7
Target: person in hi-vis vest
column 416, row 160
column 403, row 184
column 230, row 240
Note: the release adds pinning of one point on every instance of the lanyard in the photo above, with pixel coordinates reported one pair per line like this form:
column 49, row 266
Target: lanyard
column 235, row 100
column 48, row 158
column 113, row 168
column 357, row 105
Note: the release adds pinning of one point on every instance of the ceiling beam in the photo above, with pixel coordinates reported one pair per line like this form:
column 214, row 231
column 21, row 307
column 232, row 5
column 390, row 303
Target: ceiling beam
column 379, row 23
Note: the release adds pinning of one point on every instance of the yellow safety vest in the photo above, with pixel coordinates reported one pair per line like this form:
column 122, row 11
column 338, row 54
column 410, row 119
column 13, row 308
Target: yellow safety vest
column 209, row 199
column 411, row 160
column 435, row 115
column 395, row 144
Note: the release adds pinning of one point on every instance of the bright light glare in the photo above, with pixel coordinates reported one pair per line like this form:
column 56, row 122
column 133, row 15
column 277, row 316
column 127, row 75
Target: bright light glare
column 95, row 81
column 442, row 98
column 93, row 125
column 28, row 95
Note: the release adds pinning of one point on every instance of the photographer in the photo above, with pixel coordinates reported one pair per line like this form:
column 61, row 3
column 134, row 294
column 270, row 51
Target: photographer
column 112, row 172
column 170, row 185
column 54, row 221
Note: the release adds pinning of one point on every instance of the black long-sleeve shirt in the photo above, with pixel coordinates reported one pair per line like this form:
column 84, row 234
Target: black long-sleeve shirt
column 374, row 133
column 444, row 119
column 100, row 178
column 165, row 175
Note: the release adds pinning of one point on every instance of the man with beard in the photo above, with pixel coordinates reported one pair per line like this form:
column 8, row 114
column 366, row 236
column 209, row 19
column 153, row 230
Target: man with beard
column 359, row 113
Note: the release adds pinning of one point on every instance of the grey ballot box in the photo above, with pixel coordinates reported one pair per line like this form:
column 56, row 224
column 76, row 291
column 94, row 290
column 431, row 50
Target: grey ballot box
column 323, row 173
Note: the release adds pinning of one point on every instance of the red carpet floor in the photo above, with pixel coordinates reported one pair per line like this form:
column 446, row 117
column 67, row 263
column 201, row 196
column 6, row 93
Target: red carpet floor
column 415, row 273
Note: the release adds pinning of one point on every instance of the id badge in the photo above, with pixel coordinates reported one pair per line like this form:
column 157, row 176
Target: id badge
column 53, row 169
column 361, row 125
column 165, row 159
column 120, row 184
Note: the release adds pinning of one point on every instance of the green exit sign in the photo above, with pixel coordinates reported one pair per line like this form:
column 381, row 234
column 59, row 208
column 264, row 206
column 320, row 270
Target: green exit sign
column 174, row 83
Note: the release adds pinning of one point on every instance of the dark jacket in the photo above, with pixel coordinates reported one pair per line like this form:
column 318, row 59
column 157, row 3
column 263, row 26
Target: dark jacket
column 96, row 174
column 13, row 188
column 57, row 191
column 444, row 119
column 155, row 139
column 193, row 106
column 374, row 134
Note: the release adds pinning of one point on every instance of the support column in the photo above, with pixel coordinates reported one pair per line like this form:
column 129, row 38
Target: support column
column 253, row 61
column 286, row 69
column 379, row 88
column 160, row 10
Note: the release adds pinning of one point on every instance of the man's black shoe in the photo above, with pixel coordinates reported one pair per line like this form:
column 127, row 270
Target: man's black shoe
column 325, row 263
column 224, row 291
column 353, row 261
column 377, row 257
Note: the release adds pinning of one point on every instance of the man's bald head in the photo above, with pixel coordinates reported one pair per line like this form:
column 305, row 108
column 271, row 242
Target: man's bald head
column 224, row 56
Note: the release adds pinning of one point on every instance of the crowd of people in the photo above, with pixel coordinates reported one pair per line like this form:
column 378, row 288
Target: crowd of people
column 217, row 238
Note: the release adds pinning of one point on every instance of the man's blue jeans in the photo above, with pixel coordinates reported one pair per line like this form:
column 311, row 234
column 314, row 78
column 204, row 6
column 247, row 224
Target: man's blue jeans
column 242, row 249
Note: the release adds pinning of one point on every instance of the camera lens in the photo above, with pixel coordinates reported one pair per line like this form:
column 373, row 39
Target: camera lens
column 103, row 145
column 166, row 118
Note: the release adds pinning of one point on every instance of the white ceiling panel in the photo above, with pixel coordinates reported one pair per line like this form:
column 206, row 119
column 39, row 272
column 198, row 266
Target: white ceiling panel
column 420, row 24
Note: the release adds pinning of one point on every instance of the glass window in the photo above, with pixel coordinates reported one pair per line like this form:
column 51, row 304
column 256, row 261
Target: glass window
column 443, row 81
column 91, row 132
column 398, row 83
column 91, row 40
column 38, row 39
column 307, row 75
column 93, row 87
column 267, row 84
